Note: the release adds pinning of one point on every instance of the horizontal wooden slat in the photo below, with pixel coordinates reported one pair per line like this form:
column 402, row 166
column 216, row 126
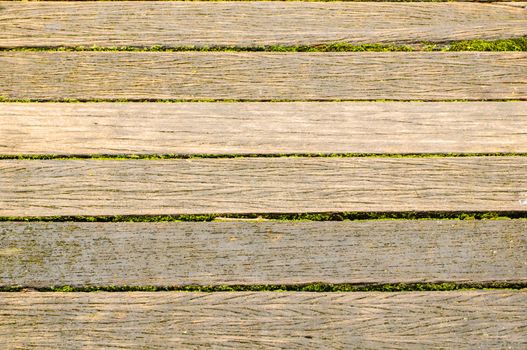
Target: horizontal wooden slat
column 179, row 186
column 218, row 253
column 520, row 4
column 466, row 319
column 260, row 128
column 263, row 75
column 251, row 23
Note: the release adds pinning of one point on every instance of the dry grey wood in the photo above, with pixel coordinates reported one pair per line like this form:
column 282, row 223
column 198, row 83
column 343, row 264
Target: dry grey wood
column 263, row 75
column 254, row 127
column 43, row 254
column 180, row 186
column 408, row 320
column 251, row 24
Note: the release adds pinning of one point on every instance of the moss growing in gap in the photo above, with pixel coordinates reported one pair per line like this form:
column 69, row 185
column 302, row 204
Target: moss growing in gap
column 308, row 287
column 330, row 47
column 510, row 44
column 516, row 44
column 286, row 217
column 250, row 155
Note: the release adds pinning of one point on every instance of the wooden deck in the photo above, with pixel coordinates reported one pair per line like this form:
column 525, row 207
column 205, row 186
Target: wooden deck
column 130, row 114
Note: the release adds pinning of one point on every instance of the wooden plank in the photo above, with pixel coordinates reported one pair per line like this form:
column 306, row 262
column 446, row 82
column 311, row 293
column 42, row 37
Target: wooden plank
column 262, row 128
column 263, row 75
column 408, row 320
column 251, row 24
column 191, row 186
column 520, row 4
column 43, row 254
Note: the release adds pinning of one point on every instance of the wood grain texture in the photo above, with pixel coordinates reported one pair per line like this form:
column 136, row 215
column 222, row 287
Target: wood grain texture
column 520, row 4
column 216, row 253
column 263, row 75
column 408, row 320
column 245, row 185
column 262, row 128
column 250, row 24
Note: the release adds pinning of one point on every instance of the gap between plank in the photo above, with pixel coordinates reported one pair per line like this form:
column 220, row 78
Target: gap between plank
column 249, row 155
column 509, row 44
column 322, row 216
column 307, row 287
column 476, row 1
column 157, row 100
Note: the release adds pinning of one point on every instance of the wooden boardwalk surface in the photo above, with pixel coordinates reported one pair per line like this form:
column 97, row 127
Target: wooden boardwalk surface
column 146, row 122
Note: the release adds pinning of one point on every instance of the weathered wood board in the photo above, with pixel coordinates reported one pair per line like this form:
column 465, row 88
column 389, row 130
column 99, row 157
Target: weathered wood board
column 262, row 128
column 263, row 75
column 520, row 4
column 43, row 254
column 252, row 185
column 409, row 320
column 250, row 24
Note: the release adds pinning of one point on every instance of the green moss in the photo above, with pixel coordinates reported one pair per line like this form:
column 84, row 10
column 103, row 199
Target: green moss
column 250, row 155
column 516, row 44
column 309, row 287
column 511, row 44
column 332, row 216
column 331, row 47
